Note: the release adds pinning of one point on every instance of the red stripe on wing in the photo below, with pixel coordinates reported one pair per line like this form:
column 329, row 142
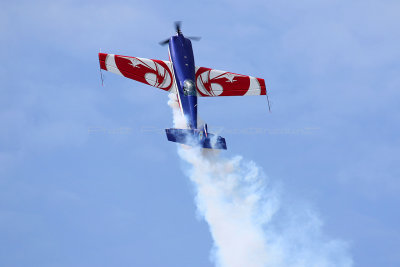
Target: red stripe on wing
column 102, row 60
column 262, row 85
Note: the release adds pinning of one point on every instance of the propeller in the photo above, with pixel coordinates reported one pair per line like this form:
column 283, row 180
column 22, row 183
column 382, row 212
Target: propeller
column 194, row 38
column 178, row 25
column 166, row 41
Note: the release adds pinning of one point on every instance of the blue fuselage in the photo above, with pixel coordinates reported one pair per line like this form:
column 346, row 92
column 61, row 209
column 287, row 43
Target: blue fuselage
column 181, row 55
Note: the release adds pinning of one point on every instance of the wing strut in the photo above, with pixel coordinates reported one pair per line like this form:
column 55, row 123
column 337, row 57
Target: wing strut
column 101, row 77
column 101, row 74
column 269, row 106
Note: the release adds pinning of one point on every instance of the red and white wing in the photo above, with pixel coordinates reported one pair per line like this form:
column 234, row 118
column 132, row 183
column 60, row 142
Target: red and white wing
column 153, row 72
column 210, row 82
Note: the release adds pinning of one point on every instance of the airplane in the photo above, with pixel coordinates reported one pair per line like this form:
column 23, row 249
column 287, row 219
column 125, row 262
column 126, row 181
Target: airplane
column 181, row 76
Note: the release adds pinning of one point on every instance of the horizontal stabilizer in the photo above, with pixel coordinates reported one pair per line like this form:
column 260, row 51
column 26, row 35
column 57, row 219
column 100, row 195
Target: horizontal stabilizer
column 196, row 137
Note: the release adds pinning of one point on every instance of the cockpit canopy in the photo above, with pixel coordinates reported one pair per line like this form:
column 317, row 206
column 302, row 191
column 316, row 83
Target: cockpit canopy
column 189, row 88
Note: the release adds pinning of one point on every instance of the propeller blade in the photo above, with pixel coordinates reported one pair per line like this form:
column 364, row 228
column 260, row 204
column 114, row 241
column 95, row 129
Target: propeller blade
column 166, row 41
column 194, row 38
column 178, row 26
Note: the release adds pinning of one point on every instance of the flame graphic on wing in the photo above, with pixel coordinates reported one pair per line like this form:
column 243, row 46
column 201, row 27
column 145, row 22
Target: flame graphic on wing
column 152, row 72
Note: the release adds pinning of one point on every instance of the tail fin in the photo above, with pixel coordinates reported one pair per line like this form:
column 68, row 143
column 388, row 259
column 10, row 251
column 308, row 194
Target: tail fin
column 194, row 137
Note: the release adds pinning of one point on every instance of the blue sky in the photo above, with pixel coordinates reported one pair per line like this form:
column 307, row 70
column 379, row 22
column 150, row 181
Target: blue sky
column 71, row 196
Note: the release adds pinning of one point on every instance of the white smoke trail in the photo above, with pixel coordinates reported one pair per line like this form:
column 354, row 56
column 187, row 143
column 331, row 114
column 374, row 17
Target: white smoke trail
column 248, row 222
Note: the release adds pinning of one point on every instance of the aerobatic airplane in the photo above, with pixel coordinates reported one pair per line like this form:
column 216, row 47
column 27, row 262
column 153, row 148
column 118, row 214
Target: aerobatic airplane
column 180, row 76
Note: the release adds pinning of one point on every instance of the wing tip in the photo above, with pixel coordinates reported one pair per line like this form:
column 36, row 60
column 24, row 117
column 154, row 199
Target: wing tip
column 262, row 86
column 102, row 60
